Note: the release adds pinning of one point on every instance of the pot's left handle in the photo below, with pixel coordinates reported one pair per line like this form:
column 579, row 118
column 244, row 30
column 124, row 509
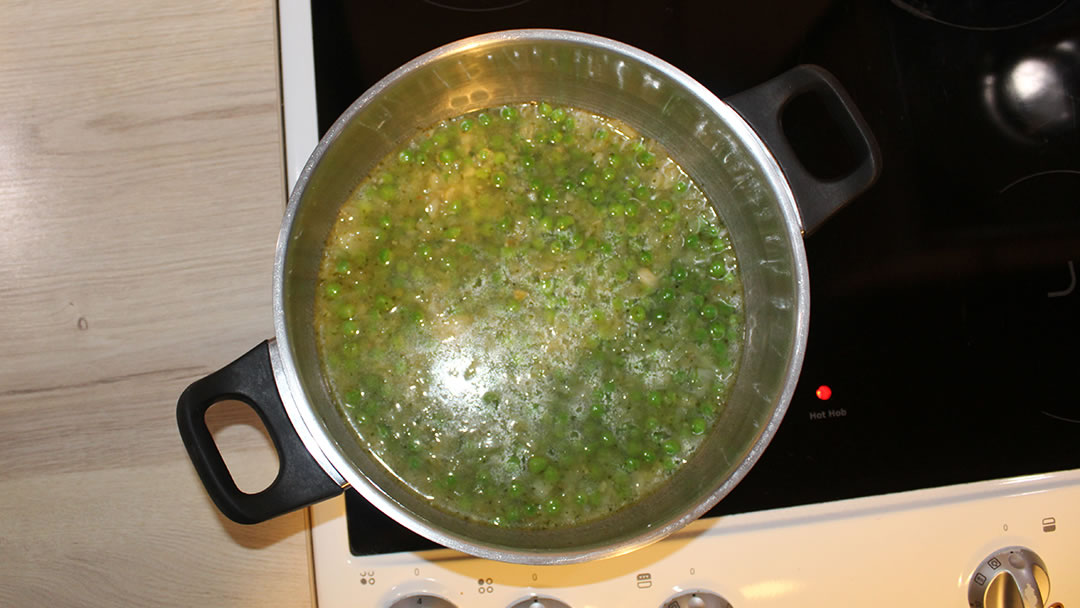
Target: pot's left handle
column 300, row 480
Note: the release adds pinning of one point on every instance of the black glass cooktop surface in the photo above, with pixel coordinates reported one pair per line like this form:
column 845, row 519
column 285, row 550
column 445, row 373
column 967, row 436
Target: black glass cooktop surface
column 945, row 316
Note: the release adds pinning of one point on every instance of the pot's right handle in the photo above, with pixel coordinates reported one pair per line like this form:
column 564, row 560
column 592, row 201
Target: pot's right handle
column 300, row 480
column 763, row 107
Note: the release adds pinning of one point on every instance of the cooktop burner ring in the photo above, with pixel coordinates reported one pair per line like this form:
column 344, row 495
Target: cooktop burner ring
column 485, row 5
column 978, row 15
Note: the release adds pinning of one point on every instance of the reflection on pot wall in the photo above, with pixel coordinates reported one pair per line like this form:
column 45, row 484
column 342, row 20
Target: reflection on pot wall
column 1033, row 97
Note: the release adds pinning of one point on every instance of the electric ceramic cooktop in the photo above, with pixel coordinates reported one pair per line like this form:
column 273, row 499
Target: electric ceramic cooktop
column 940, row 376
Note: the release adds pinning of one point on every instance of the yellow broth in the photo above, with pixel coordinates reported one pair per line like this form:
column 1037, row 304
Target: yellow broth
column 530, row 315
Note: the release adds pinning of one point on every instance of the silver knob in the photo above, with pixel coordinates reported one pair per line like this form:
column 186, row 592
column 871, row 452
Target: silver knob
column 1014, row 577
column 537, row 601
column 422, row 601
column 696, row 599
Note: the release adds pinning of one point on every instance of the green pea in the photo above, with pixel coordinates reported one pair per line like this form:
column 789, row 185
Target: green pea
column 452, row 232
column 544, row 108
column 558, row 114
column 351, row 350
column 548, row 194
column 717, row 331
column 717, row 269
column 697, row 426
column 346, row 311
column 637, row 313
column 600, row 134
column 384, row 221
column 645, row 158
column 665, row 207
column 564, row 221
column 670, row 446
column 648, row 456
column 384, row 256
column 537, row 464
column 547, row 223
column 667, row 294
column 680, row 187
column 515, row 489
column 631, row 464
column 383, row 303
column 587, row 179
column 406, row 156
column 508, row 113
column 551, row 475
column 483, row 119
column 447, row 156
column 465, row 125
column 499, row 179
column 679, row 273
column 645, row 257
column 332, row 290
column 708, row 312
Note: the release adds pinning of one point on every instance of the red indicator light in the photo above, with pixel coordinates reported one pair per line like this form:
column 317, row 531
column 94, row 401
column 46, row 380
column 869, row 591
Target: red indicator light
column 823, row 392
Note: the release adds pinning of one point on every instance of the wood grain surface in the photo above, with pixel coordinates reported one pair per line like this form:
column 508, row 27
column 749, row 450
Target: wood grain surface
column 141, row 189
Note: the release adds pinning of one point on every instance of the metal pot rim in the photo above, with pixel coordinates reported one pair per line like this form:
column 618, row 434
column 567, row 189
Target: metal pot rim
column 342, row 470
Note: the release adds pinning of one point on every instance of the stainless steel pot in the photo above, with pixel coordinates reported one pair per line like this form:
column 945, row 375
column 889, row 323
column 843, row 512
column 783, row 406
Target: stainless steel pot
column 735, row 151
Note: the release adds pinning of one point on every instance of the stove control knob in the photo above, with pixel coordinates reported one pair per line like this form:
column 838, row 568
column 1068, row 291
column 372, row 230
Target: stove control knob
column 1014, row 577
column 422, row 601
column 537, row 601
column 696, row 599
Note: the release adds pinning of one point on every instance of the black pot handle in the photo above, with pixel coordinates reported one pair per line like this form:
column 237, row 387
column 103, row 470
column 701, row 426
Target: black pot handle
column 763, row 107
column 300, row 480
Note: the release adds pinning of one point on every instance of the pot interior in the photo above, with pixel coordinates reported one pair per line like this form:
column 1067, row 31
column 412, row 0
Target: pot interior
column 712, row 144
